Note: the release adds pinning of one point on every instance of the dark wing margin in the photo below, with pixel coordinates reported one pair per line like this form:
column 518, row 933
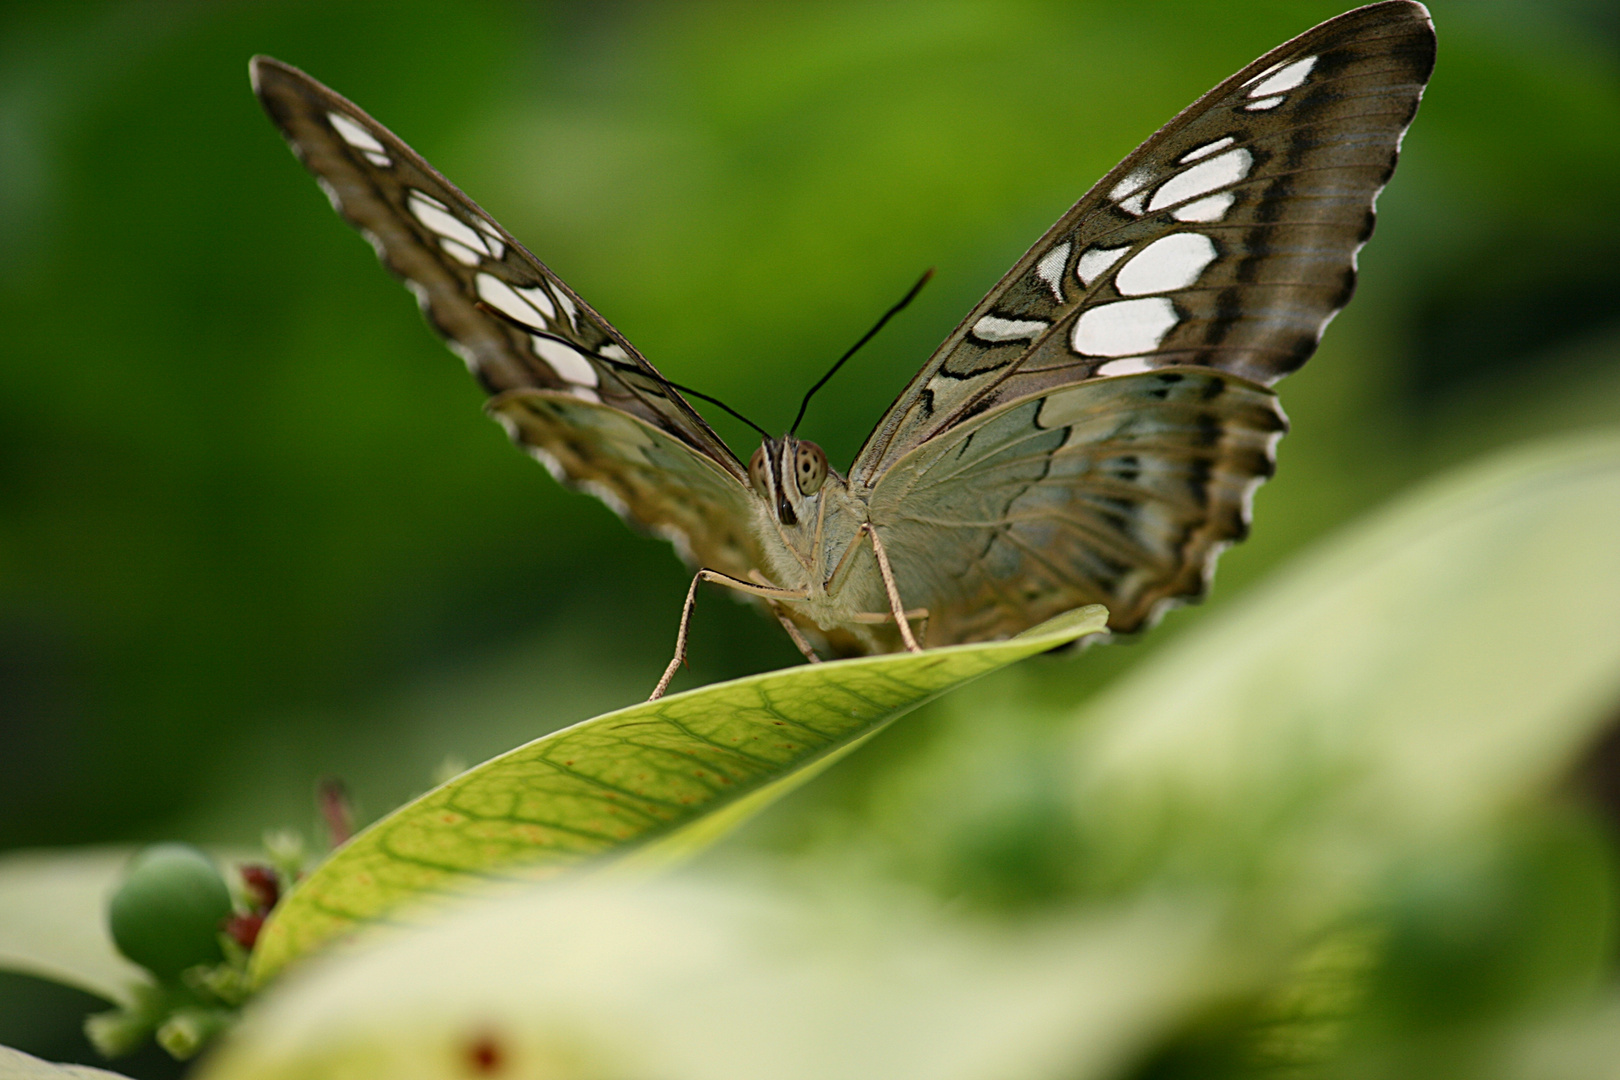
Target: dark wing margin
column 1227, row 240
column 453, row 256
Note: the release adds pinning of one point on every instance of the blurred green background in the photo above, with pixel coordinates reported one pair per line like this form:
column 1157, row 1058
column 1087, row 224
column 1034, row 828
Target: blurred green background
column 254, row 529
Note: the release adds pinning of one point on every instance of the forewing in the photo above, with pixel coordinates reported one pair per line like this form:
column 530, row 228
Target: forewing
column 453, row 256
column 1227, row 240
column 1116, row 491
column 655, row 481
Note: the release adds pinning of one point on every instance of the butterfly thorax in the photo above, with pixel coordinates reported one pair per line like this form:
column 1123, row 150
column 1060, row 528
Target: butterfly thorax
column 808, row 524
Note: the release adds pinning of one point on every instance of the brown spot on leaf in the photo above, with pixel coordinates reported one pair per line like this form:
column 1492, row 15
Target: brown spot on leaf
column 484, row 1054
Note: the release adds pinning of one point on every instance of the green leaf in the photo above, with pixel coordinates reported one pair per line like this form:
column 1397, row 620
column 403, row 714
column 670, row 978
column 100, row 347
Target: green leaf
column 660, row 779
column 53, row 919
column 16, row 1065
column 1402, row 687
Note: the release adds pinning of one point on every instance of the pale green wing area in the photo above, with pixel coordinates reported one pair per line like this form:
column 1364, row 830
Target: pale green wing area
column 658, row 778
column 53, row 920
column 1117, row 491
column 16, row 1065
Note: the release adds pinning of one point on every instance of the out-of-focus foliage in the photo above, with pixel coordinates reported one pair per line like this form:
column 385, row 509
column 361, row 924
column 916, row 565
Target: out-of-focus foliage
column 254, row 529
column 15, row 1065
column 53, row 919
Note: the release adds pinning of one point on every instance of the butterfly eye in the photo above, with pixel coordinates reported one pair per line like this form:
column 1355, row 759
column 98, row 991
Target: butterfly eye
column 811, row 465
column 756, row 472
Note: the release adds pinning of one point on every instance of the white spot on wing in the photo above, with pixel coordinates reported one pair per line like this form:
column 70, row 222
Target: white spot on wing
column 444, row 223
column 1170, row 262
column 331, row 194
column 1284, row 79
column 585, row 393
column 1124, row 327
column 382, row 161
column 1132, row 365
column 499, row 295
column 1211, row 209
column 353, row 134
column 425, row 197
column 1050, row 269
column 1133, row 180
column 1095, row 261
column 494, row 243
column 535, row 295
column 460, row 252
column 1264, row 103
column 613, row 352
column 568, row 362
column 1133, row 205
column 995, row 328
column 1203, row 178
column 568, row 306
column 468, row 356
column 1207, row 149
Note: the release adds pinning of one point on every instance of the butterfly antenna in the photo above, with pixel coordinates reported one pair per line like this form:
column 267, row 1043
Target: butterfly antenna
column 853, row 349
column 618, row 365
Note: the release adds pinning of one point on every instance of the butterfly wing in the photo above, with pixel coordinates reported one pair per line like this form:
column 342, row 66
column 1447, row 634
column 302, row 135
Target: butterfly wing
column 651, row 478
column 1226, row 240
column 1217, row 252
column 455, row 257
column 1114, row 490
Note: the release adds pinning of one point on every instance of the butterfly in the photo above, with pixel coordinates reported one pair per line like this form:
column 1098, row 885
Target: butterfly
column 1092, row 432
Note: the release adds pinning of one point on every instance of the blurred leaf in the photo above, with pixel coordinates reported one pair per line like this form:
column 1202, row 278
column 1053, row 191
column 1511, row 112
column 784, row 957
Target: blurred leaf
column 1579, row 1043
column 681, row 980
column 662, row 778
column 16, row 1065
column 53, row 919
column 1402, row 687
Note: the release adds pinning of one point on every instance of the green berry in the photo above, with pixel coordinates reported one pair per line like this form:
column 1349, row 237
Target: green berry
column 166, row 914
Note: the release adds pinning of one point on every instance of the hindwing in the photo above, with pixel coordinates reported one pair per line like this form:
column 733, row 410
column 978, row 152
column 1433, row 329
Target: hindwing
column 652, row 479
column 1118, row 491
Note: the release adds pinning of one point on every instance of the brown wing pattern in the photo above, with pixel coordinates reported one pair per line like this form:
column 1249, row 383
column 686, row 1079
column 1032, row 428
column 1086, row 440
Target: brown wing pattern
column 1118, row 491
column 452, row 255
column 651, row 478
column 1227, row 240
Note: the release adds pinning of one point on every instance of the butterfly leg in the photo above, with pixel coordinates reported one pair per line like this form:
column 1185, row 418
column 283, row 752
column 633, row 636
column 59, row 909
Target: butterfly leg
column 788, row 624
column 769, row 592
column 793, row 632
column 897, row 608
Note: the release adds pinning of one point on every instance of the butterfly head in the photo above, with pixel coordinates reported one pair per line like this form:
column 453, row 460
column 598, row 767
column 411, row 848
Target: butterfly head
column 789, row 474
